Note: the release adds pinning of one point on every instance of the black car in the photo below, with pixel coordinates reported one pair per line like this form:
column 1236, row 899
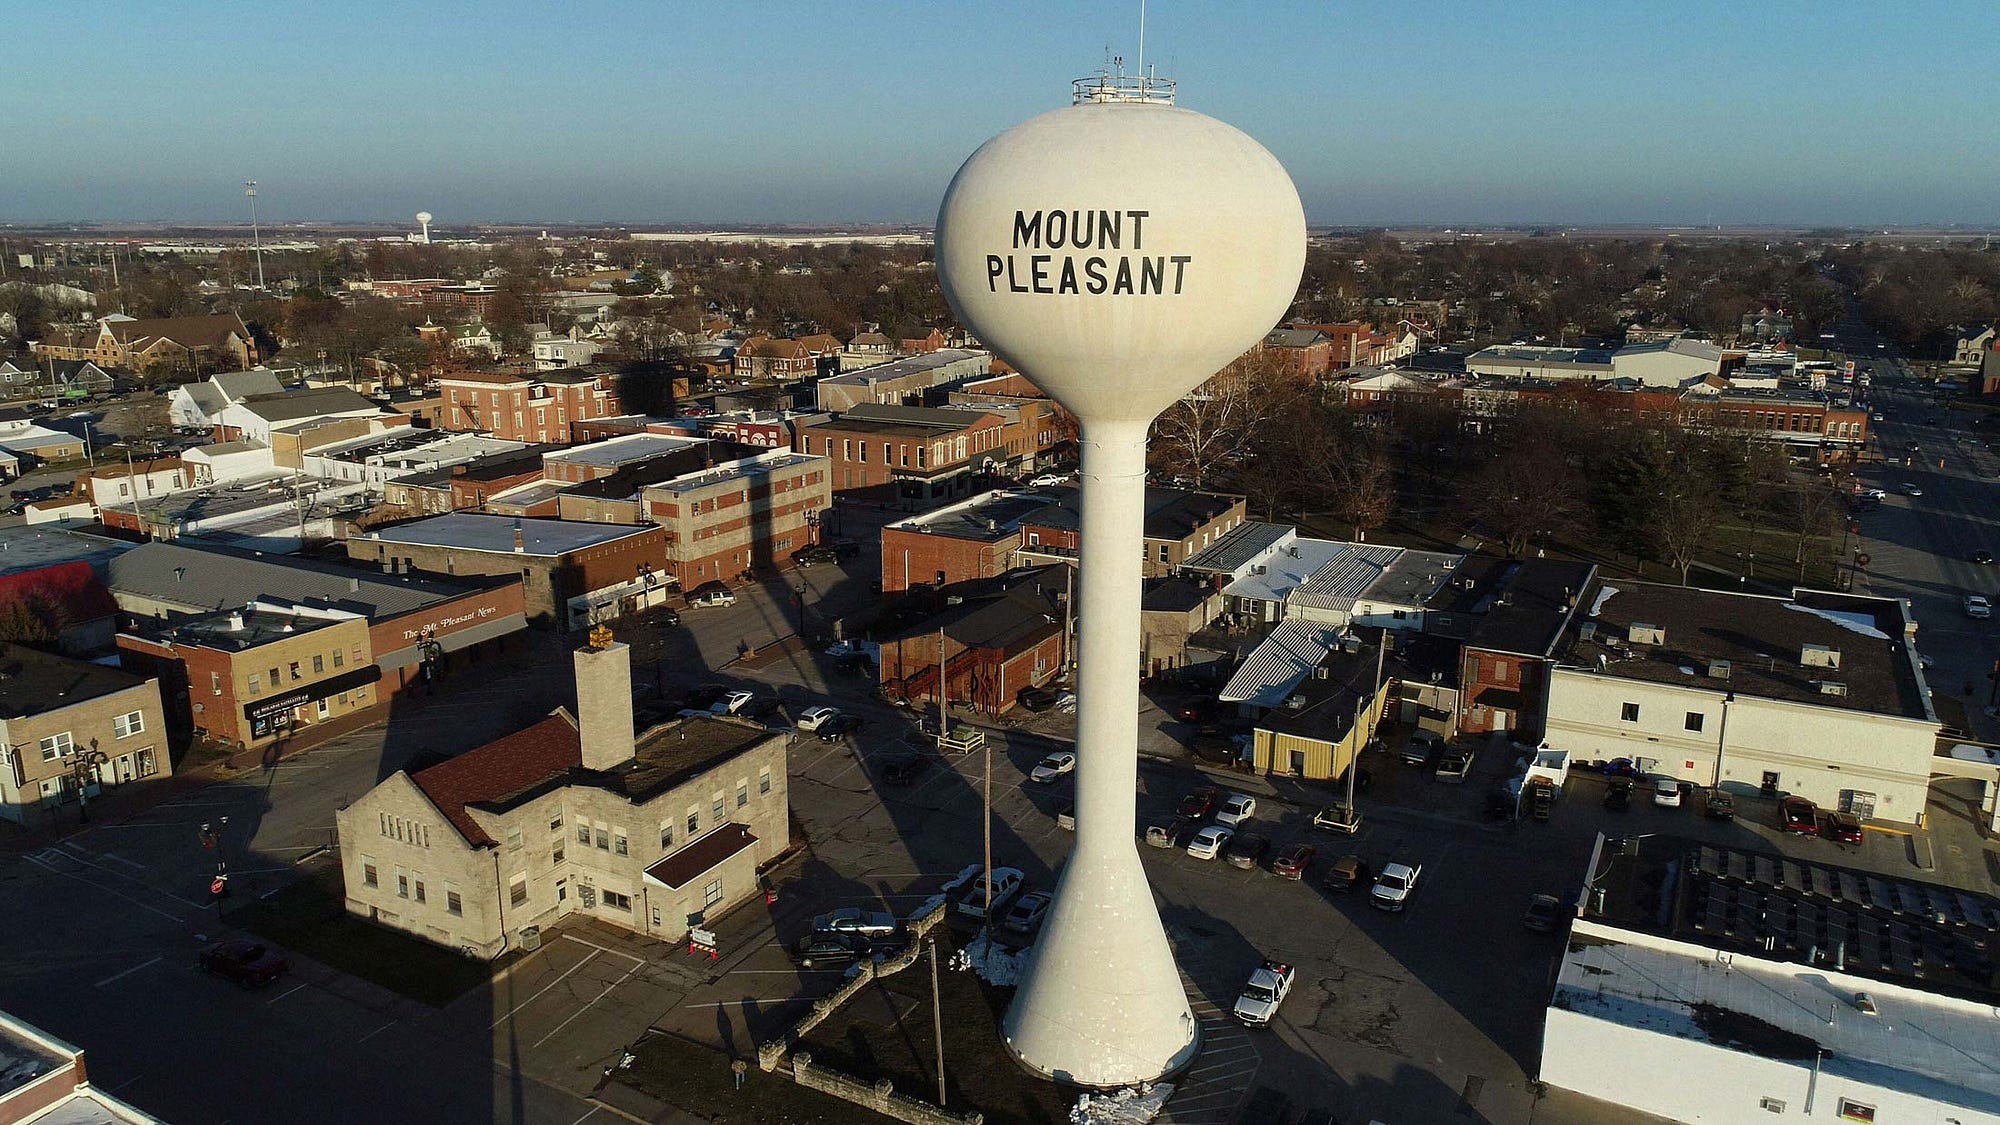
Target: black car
column 1036, row 699
column 248, row 963
column 831, row 950
column 668, row 616
column 1618, row 795
column 1246, row 850
column 1983, row 558
column 703, row 697
column 846, row 549
column 838, row 727
column 814, row 555
column 760, row 708
column 905, row 770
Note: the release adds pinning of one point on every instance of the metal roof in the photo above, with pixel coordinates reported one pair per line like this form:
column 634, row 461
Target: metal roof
column 1344, row 577
column 198, row 580
column 1275, row 667
column 1242, row 545
column 1286, row 570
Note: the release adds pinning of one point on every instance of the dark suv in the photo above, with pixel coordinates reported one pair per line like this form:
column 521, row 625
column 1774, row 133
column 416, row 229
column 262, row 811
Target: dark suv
column 248, row 963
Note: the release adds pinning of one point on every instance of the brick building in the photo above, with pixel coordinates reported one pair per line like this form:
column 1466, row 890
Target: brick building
column 1001, row 636
column 764, row 358
column 250, row 676
column 652, row 831
column 538, row 406
column 558, row 561
column 1507, row 616
column 721, row 521
column 972, row 539
column 463, row 487
column 63, row 719
column 910, row 456
column 1179, row 525
column 603, row 458
column 915, row 380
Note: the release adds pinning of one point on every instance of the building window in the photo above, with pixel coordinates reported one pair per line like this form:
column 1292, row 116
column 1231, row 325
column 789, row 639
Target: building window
column 616, row 901
column 666, row 834
column 128, row 724
column 555, row 821
column 513, row 839
column 215, row 683
column 319, row 664
column 56, row 746
column 256, row 686
column 369, row 876
column 742, row 793
column 337, row 660
column 764, row 780
column 517, row 890
column 1628, row 712
column 402, row 884
column 618, row 844
column 694, row 823
column 716, row 809
column 420, row 890
column 603, row 839
column 583, row 832
column 452, row 903
column 1694, row 720
column 275, row 681
column 712, row 894
column 556, row 853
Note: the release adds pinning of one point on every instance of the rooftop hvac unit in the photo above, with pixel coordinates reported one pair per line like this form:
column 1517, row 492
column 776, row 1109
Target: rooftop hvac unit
column 1294, row 702
column 1640, row 633
column 1322, row 672
column 1832, row 687
column 1587, row 631
column 1718, row 669
column 1819, row 656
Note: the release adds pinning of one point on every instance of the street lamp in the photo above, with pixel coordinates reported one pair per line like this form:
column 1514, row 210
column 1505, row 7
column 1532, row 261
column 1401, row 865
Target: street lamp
column 82, row 764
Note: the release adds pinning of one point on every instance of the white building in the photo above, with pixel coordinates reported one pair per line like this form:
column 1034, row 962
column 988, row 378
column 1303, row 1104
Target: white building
column 198, row 406
column 228, row 461
column 1820, row 695
column 553, row 353
column 1667, row 363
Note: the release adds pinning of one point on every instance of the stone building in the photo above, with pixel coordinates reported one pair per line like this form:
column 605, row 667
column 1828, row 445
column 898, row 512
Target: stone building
column 652, row 831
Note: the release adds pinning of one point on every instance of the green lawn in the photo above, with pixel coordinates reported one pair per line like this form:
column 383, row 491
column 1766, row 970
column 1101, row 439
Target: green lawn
column 308, row 918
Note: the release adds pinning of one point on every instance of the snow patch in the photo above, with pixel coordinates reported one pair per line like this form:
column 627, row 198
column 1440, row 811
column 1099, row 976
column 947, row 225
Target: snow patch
column 1966, row 752
column 1604, row 594
column 963, row 877
column 1134, row 1106
column 995, row 964
column 1862, row 623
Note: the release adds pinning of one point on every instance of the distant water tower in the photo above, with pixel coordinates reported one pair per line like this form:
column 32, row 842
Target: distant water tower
column 424, row 221
column 1118, row 253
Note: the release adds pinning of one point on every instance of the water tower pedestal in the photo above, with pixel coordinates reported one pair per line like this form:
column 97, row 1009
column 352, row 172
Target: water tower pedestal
column 1102, row 1003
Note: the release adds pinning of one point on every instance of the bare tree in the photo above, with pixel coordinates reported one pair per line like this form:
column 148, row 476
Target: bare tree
column 1811, row 511
column 1221, row 422
column 1528, row 490
column 1345, row 468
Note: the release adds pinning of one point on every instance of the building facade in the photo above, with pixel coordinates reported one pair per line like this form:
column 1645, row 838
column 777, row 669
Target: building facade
column 757, row 511
column 556, row 560
column 70, row 729
column 528, row 406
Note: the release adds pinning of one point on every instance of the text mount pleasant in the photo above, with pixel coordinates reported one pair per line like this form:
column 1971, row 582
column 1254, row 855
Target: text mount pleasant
column 1085, row 229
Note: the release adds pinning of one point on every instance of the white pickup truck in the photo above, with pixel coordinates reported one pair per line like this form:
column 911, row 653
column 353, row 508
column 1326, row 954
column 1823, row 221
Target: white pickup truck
column 1265, row 991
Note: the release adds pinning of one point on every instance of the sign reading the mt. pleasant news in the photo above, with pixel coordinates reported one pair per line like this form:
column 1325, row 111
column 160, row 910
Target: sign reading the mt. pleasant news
column 1121, row 273
column 411, row 634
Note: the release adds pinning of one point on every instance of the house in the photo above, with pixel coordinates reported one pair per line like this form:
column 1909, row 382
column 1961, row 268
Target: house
column 52, row 380
column 30, row 444
column 1300, row 352
column 256, row 417
column 65, row 722
column 867, row 349
column 1972, row 345
column 998, row 636
column 113, row 484
column 1507, row 616
column 528, row 406
column 213, row 341
column 1819, row 694
column 554, row 353
column 199, row 406
column 654, row 831
column 474, row 338
column 43, row 1079
column 756, row 511
column 1769, row 324
column 1793, row 988
column 227, row 461
column 561, row 563
column 764, row 359
column 910, row 456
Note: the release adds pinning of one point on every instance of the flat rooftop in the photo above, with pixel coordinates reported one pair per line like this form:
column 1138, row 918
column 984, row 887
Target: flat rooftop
column 1240, row 545
column 1762, row 638
column 760, row 465
column 1287, row 569
column 987, row 518
column 32, row 682
column 35, row 546
column 238, row 630
column 1510, row 605
column 612, row 452
column 903, row 368
column 471, row 531
column 671, row 752
column 200, row 579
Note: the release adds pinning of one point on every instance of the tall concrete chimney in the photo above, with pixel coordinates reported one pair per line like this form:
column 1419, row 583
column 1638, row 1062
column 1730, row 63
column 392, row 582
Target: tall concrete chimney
column 604, row 701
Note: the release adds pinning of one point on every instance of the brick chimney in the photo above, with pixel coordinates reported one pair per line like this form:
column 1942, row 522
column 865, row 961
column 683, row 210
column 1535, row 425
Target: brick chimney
column 604, row 701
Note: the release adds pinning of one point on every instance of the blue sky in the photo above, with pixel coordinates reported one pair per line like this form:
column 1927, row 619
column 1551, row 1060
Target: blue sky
column 849, row 110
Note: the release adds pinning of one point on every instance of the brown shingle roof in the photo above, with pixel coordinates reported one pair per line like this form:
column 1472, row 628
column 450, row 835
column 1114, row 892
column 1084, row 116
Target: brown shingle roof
column 502, row 769
column 207, row 331
column 691, row 862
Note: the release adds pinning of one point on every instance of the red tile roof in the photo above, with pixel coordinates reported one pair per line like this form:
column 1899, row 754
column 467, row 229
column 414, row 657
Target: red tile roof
column 694, row 860
column 501, row 769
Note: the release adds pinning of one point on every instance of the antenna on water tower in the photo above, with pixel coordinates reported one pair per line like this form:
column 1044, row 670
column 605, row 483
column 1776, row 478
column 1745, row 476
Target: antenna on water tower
column 1142, row 38
column 424, row 221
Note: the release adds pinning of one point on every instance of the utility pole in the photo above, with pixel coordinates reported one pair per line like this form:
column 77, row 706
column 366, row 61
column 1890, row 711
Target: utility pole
column 937, row 1018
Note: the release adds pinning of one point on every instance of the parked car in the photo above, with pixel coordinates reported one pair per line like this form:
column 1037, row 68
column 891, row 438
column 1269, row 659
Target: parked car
column 714, row 593
column 1346, row 873
column 1394, row 886
column 1618, row 794
column 1167, row 835
column 1293, row 861
column 812, row 718
column 1423, row 748
column 1842, row 828
column 1667, row 793
column 1977, row 607
column 1338, row 818
column 1796, row 814
column 854, row 920
column 732, row 702
column 1543, row 914
column 1246, row 850
column 1006, row 884
column 1912, row 490
column 1199, row 802
column 1048, row 480
column 1265, row 990
column 1236, row 808
column 1026, row 915
column 251, row 964
column 905, row 770
column 761, row 709
column 702, row 697
column 667, row 616
column 1052, row 767
column 1983, row 558
column 831, row 950
column 814, row 554
column 838, row 727
column 1035, row 699
column 1719, row 806
column 1454, row 765
column 1209, row 842
column 1194, row 711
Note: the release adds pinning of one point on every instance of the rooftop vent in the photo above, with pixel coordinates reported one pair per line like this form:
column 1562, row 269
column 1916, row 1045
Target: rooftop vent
column 1640, row 633
column 1294, row 702
column 1832, row 687
column 1819, row 656
column 1718, row 669
column 1587, row 631
column 1865, row 1004
column 1322, row 672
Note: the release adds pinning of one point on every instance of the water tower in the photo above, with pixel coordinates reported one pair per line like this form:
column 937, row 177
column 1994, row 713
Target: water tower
column 424, row 221
column 1118, row 253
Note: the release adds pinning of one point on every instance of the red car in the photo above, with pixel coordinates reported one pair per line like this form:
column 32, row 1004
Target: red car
column 1796, row 814
column 1293, row 861
column 248, row 963
column 1842, row 828
column 1199, row 802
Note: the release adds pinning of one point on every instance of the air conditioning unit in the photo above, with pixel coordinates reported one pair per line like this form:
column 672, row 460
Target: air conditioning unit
column 1819, row 656
column 1640, row 633
column 1587, row 631
column 1718, row 669
column 1832, row 687
column 1294, row 702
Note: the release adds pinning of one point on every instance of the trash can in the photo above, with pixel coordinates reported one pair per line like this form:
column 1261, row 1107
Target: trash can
column 531, row 938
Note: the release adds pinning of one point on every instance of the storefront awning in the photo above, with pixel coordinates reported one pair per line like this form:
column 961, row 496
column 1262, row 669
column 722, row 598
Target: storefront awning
column 324, row 689
column 456, row 640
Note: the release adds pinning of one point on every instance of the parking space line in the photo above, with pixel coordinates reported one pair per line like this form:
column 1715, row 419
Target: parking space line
column 130, row 971
column 593, row 1000
column 376, row 1032
column 509, row 1013
column 604, row 949
column 282, row 995
column 588, row 1114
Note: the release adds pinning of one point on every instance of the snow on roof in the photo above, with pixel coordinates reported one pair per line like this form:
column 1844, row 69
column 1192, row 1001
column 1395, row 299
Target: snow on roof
column 1862, row 623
